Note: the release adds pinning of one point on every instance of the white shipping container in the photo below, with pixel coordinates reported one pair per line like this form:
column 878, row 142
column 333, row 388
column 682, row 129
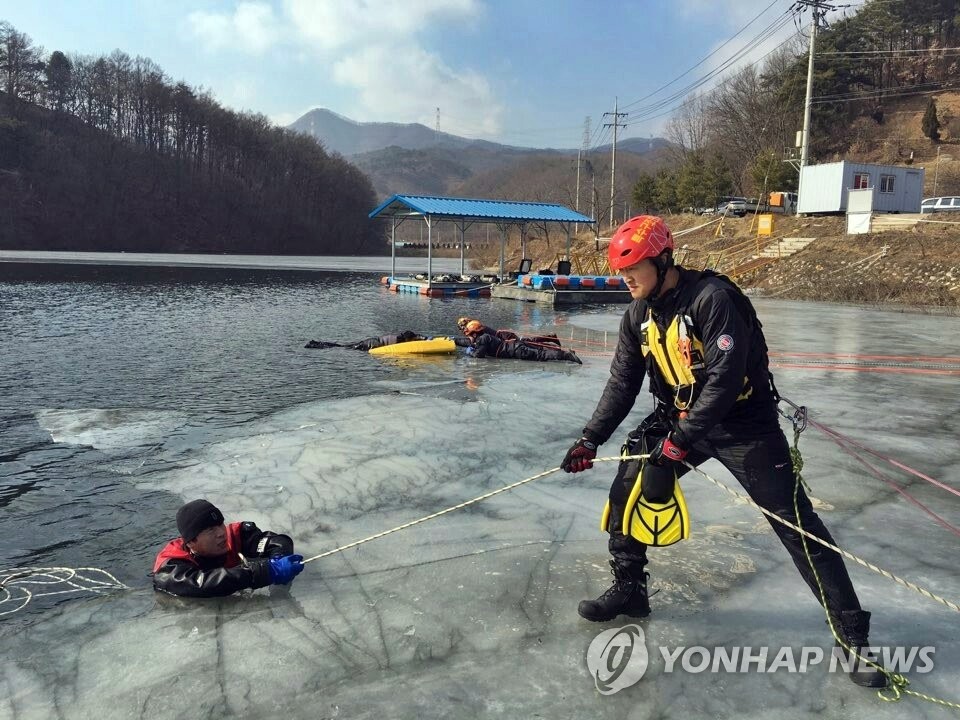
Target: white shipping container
column 824, row 188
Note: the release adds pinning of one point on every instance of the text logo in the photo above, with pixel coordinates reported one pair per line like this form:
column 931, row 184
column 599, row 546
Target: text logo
column 617, row 658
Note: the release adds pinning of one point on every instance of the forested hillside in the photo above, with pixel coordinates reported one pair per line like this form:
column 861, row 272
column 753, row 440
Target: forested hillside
column 107, row 153
column 873, row 68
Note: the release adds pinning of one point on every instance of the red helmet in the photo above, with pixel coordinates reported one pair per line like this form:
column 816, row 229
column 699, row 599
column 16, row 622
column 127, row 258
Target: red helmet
column 639, row 238
column 474, row 327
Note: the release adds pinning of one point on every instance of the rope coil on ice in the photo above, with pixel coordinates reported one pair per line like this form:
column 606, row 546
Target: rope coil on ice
column 19, row 586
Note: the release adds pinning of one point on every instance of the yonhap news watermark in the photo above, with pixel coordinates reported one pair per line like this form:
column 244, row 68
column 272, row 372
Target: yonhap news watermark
column 619, row 657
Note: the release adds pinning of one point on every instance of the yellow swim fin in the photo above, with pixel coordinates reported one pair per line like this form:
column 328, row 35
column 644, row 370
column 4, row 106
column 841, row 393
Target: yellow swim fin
column 605, row 518
column 657, row 524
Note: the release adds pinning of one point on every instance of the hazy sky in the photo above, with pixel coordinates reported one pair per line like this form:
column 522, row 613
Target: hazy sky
column 523, row 72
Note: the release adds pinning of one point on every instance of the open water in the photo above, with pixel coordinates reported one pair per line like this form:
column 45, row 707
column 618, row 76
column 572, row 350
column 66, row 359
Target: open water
column 136, row 362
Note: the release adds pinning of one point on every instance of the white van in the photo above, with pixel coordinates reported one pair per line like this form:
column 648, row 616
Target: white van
column 940, row 204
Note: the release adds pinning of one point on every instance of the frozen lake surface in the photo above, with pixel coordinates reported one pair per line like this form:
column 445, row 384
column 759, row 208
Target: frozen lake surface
column 127, row 394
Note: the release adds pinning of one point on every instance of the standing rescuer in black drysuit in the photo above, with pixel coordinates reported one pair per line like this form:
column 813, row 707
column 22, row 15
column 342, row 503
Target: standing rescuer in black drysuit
column 698, row 338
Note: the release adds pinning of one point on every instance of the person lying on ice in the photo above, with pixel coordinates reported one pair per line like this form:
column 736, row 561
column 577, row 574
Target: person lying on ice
column 485, row 344
column 211, row 559
column 479, row 327
column 697, row 338
column 370, row 342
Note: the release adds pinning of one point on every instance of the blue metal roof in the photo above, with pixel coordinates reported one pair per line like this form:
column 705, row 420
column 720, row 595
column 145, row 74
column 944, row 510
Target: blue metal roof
column 490, row 210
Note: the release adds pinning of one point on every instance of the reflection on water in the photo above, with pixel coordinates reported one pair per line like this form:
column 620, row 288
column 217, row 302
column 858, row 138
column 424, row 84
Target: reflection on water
column 199, row 339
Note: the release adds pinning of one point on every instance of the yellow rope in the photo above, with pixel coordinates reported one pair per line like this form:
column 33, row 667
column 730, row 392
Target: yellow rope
column 897, row 687
column 734, row 493
column 462, row 505
column 860, row 561
column 898, row 682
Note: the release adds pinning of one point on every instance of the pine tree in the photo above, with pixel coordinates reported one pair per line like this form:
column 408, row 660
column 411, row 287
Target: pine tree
column 930, row 124
column 644, row 192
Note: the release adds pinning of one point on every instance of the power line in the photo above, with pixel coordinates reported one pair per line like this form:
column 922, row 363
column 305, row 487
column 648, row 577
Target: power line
column 702, row 60
column 762, row 37
column 890, row 52
column 601, row 139
column 682, row 101
column 650, row 112
column 932, row 85
column 876, row 97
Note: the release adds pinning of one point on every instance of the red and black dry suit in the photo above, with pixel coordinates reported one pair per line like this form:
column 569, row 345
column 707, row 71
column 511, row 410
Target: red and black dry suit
column 703, row 349
column 178, row 571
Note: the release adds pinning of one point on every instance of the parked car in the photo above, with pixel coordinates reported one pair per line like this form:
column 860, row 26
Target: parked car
column 734, row 206
column 940, row 204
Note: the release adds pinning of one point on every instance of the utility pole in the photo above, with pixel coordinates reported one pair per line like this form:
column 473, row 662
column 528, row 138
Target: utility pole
column 583, row 149
column 819, row 9
column 613, row 161
column 593, row 197
column 936, row 171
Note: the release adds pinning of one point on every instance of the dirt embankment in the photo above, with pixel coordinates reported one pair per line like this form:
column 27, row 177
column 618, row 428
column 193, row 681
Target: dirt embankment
column 913, row 266
column 918, row 266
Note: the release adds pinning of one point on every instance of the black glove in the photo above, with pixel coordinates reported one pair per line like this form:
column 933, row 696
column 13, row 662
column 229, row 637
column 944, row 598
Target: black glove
column 580, row 456
column 665, row 451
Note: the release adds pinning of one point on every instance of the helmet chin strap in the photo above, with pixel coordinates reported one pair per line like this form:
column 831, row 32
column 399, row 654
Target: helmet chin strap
column 663, row 263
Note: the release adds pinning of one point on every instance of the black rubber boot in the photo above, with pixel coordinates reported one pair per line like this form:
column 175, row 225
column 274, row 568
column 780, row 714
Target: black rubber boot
column 854, row 627
column 627, row 596
column 571, row 356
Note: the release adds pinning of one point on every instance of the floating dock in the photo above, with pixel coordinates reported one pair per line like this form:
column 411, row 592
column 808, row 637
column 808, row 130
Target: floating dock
column 437, row 288
column 553, row 290
column 558, row 290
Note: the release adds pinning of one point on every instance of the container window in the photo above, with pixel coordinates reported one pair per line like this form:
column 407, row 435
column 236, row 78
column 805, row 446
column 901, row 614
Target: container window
column 886, row 183
column 861, row 181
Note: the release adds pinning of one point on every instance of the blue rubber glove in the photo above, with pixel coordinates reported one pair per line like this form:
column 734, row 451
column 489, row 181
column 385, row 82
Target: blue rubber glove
column 284, row 569
column 471, row 350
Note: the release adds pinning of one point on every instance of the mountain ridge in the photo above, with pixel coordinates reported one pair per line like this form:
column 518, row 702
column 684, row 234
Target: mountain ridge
column 344, row 135
column 411, row 158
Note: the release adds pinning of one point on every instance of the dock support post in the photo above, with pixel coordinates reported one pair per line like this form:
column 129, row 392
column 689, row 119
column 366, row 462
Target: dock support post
column 503, row 242
column 393, row 248
column 428, row 219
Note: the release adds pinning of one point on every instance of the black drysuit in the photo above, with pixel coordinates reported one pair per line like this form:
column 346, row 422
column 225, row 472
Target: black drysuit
column 370, row 342
column 729, row 413
column 178, row 571
column 492, row 346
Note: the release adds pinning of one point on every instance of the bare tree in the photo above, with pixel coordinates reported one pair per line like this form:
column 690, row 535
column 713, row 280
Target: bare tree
column 161, row 166
column 20, row 64
column 689, row 127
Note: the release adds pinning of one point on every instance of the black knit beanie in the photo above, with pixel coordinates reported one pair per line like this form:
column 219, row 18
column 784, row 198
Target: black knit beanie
column 195, row 517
